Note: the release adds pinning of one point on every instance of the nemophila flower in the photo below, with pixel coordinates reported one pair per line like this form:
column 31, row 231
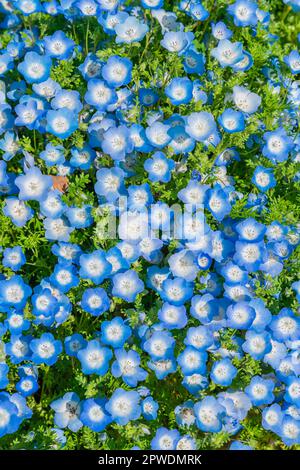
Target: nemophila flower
column 172, row 317
column 243, row 12
column 13, row 258
column 57, row 229
column 18, row 348
column 28, row 115
column 278, row 145
column 93, row 414
column 263, row 178
column 160, row 345
column 232, row 121
column 127, row 366
column 46, row 349
column 35, row 68
column 94, row 266
column 64, row 277
column 110, row 183
column 6, row 63
column 67, row 411
column 237, row 445
column 61, row 123
column 293, row 61
column 245, row 100
column 221, row 31
column 67, row 99
column 139, row 196
column 177, row 41
column 127, row 285
column 130, row 30
column 14, row 292
column 285, row 326
column 257, row 344
column 193, row 61
column 115, row 333
column 244, row 64
column 100, row 95
column 260, row 391
column 249, row 255
column 290, row 431
column 94, row 358
column 58, row 46
column 116, row 142
column 6, row 117
column 9, row 420
column 33, row 185
column 217, row 203
column 16, row 323
column 149, row 408
column 165, row 439
column 52, row 206
column 4, row 369
column 10, row 145
column 79, row 217
column 158, row 134
column 250, row 230
column 159, row 167
column 240, row 315
column 292, row 391
column 200, row 125
column 27, row 386
column 117, row 71
column 124, row 406
column 95, row 301
column 228, row 53
column 74, row 343
column 192, row 361
column 176, row 291
column 180, row 90
column 53, row 155
column 223, row 372
column 208, row 414
column 272, row 417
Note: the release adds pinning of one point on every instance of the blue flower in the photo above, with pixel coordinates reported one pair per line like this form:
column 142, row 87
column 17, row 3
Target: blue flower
column 127, row 367
column 228, row 53
column 95, row 301
column 115, row 333
column 58, row 46
column 46, row 349
column 208, row 414
column 93, row 414
column 94, row 358
column 260, row 391
column 165, row 439
column 117, row 71
column 232, row 121
column 13, row 258
column 127, row 285
column 124, row 406
column 67, row 411
column 130, row 30
column 61, row 123
column 35, row 68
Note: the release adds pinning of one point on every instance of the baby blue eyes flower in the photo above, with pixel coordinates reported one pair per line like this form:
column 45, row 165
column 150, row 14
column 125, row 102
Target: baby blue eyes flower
column 277, row 146
column 127, row 367
column 4, row 369
column 180, row 91
column 13, row 258
column 117, row 71
column 131, row 30
column 33, row 185
column 124, row 406
column 61, row 123
column 58, row 46
column 95, row 301
column 232, row 121
column 159, row 167
column 223, row 372
column 293, row 62
column 94, row 358
column 94, row 415
column 127, row 285
column 208, row 414
column 46, row 349
column 228, row 53
column 245, row 100
column 177, row 41
column 260, row 391
column 263, row 178
column 35, row 68
column 67, row 412
column 165, row 439
column 243, row 12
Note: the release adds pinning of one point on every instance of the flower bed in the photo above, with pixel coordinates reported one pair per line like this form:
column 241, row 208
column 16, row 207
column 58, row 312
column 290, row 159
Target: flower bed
column 149, row 285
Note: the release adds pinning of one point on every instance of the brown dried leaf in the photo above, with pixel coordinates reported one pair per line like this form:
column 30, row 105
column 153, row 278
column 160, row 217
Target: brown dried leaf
column 60, row 182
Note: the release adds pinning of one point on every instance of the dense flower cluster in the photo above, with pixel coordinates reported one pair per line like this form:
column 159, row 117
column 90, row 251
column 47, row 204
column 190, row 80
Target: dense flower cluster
column 174, row 123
